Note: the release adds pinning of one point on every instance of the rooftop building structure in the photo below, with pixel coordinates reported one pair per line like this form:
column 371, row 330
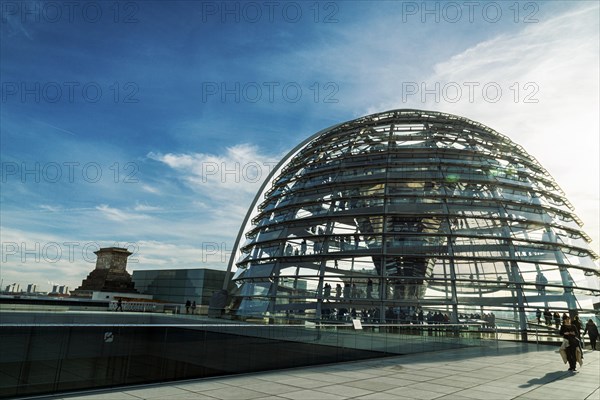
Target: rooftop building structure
column 179, row 285
column 110, row 274
column 401, row 213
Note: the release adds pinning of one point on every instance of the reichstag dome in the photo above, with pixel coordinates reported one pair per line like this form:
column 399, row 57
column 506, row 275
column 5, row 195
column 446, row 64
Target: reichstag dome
column 411, row 211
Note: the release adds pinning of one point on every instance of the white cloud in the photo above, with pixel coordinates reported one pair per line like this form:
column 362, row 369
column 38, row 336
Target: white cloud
column 146, row 208
column 49, row 208
column 150, row 189
column 228, row 181
column 114, row 214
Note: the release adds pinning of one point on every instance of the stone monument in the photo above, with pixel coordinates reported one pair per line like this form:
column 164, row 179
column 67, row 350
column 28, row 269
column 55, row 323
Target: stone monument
column 110, row 274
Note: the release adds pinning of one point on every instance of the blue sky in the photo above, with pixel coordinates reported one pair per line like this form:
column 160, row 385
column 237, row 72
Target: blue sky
column 142, row 123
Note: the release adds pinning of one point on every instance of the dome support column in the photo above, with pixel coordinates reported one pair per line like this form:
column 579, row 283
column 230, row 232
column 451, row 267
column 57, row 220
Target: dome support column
column 564, row 274
column 446, row 227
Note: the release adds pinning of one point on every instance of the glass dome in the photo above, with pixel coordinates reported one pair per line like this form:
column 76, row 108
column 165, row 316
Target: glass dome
column 408, row 210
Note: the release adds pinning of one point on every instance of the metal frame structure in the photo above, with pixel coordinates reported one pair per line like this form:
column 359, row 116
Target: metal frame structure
column 410, row 210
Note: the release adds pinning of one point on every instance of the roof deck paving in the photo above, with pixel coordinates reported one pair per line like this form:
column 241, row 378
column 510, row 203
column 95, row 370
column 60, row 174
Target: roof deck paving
column 518, row 371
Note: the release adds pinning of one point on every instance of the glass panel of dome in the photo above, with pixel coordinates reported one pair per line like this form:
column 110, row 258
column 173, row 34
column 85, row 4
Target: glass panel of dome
column 255, row 289
column 260, row 271
column 253, row 307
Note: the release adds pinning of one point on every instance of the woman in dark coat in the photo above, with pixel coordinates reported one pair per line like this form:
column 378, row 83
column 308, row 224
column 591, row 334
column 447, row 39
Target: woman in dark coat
column 567, row 331
column 592, row 330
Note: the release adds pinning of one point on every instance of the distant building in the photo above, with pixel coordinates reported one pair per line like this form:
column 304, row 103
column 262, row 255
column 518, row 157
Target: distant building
column 13, row 288
column 110, row 274
column 63, row 289
column 180, row 285
column 31, row 288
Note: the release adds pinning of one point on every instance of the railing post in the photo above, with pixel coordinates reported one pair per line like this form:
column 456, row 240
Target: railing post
column 496, row 335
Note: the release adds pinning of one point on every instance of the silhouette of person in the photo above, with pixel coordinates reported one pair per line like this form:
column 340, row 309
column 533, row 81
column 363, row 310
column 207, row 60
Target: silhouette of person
column 567, row 331
column 347, row 290
column 592, row 330
column 556, row 317
column 327, row 290
column 548, row 317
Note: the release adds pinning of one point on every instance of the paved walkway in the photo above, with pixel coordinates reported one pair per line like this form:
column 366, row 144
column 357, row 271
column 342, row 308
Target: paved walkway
column 511, row 371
